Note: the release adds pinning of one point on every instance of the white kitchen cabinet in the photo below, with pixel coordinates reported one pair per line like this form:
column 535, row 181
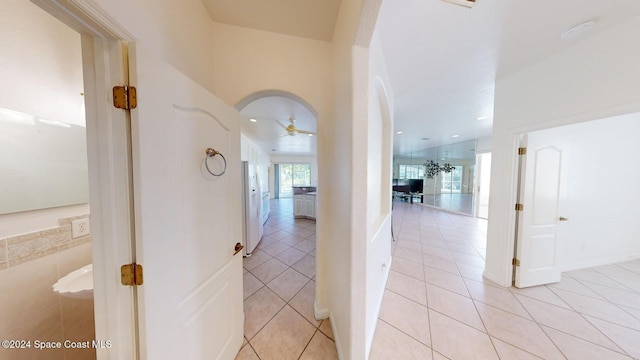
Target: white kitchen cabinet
column 304, row 206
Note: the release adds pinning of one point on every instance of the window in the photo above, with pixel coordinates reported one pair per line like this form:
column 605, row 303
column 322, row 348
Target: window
column 452, row 182
column 293, row 175
column 411, row 172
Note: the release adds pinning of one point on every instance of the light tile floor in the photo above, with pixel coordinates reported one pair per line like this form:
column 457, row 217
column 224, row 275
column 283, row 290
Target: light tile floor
column 279, row 292
column 437, row 305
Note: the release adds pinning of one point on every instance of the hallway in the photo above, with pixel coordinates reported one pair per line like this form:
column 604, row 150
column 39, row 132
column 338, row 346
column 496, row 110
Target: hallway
column 279, row 292
column 437, row 305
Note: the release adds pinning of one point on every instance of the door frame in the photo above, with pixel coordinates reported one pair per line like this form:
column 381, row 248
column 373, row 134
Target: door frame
column 500, row 242
column 109, row 158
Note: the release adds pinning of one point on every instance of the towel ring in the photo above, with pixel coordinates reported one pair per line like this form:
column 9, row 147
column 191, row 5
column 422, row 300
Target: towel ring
column 212, row 153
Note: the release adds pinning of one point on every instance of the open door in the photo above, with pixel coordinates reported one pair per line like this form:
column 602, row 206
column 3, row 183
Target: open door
column 187, row 221
column 536, row 250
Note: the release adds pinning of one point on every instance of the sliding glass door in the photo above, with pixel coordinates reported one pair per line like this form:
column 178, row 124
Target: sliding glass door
column 291, row 175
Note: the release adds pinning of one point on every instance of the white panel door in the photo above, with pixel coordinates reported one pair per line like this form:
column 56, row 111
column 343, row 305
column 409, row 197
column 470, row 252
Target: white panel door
column 187, row 221
column 537, row 241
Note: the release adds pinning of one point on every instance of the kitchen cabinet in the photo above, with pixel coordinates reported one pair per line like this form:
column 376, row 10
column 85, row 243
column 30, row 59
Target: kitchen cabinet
column 304, row 206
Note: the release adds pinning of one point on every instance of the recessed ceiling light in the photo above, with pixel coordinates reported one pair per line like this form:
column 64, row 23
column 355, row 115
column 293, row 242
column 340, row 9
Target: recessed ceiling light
column 253, row 120
column 273, row 149
column 455, row 136
column 578, row 29
column 426, row 138
column 310, row 134
column 398, row 132
column 482, row 118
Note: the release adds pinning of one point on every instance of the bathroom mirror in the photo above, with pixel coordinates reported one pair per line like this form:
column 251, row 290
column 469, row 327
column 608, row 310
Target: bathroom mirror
column 447, row 180
column 43, row 163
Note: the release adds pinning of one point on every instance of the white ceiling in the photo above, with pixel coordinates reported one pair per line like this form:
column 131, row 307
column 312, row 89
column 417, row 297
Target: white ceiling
column 269, row 135
column 442, row 59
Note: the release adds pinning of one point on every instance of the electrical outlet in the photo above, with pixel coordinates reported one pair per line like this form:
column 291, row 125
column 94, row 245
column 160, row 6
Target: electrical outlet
column 80, row 227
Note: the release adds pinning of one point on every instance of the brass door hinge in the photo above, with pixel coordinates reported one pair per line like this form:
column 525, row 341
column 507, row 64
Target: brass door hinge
column 515, row 262
column 522, row 151
column 124, row 97
column 519, row 207
column 131, row 274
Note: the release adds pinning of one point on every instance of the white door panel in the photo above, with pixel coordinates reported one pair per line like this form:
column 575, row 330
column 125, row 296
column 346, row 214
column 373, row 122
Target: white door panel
column 537, row 242
column 186, row 220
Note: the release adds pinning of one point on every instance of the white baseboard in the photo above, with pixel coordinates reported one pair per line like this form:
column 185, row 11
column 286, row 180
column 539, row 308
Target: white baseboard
column 599, row 262
column 320, row 313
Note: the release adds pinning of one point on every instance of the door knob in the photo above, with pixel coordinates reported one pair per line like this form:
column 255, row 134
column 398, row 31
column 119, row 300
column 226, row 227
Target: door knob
column 237, row 248
column 562, row 218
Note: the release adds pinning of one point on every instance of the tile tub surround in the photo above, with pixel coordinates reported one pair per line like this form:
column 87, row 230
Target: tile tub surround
column 23, row 248
column 591, row 314
column 30, row 310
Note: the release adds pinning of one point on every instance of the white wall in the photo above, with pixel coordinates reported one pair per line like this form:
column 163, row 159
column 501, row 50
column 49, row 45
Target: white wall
column 599, row 192
column 595, row 78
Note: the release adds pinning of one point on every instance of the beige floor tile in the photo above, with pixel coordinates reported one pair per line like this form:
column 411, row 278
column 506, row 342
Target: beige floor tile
column 439, row 263
column 407, row 286
column 259, row 308
column 283, row 338
column 435, row 242
column 247, row 353
column 410, row 244
column 468, row 259
column 497, row 297
column 390, row 343
column 250, row 285
column 257, row 258
column 463, row 248
column 510, row 352
column 541, row 293
column 320, row 348
column 406, row 316
column 578, row 349
column 619, row 297
column 454, row 305
column 306, row 266
column 269, row 270
column 408, row 254
column 303, row 302
column 291, row 256
column 472, row 272
column 437, row 251
column 438, row 356
column 517, row 331
column 594, row 277
column 456, row 340
column 287, row 284
column 305, row 246
column 275, row 248
column 600, row 309
column 625, row 338
column 573, row 285
column 445, row 280
column 565, row 320
column 325, row 327
column 279, row 235
column 408, row 267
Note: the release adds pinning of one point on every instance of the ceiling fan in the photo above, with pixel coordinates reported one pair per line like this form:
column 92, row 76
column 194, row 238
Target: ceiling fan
column 292, row 130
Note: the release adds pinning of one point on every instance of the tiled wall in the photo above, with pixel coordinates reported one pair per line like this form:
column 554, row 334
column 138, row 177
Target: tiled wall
column 29, row 309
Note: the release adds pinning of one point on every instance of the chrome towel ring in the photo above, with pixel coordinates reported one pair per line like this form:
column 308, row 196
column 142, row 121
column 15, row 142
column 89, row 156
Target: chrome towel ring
column 212, row 153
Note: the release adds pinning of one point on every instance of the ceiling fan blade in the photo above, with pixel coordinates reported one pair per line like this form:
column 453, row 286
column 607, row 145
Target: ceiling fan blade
column 305, row 132
column 281, row 124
